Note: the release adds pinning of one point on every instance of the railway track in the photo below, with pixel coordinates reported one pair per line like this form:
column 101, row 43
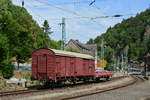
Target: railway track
column 137, row 80
column 28, row 91
column 8, row 93
column 18, row 92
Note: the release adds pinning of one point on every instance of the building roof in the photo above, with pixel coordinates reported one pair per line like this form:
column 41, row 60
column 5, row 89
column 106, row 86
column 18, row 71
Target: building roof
column 84, row 48
column 71, row 54
column 147, row 56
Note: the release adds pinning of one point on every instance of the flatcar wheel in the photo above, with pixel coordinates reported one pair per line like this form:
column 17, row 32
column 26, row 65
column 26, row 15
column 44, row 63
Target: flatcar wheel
column 74, row 82
column 46, row 84
column 59, row 83
column 86, row 81
column 97, row 80
column 107, row 78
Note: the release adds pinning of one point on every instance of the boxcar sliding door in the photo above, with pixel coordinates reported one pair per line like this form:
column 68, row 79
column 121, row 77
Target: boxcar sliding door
column 72, row 66
column 42, row 66
column 51, row 67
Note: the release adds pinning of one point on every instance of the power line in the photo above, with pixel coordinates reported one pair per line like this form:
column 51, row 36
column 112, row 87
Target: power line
column 76, row 34
column 42, row 18
column 72, row 3
column 91, row 18
column 64, row 37
column 63, row 28
column 92, row 2
column 80, row 16
column 51, row 5
column 69, row 18
column 96, row 7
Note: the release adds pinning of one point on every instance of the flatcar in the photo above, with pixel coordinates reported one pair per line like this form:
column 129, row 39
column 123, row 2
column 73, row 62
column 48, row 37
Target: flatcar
column 52, row 65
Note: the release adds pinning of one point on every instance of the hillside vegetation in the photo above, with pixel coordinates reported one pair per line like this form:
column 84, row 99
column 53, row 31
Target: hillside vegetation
column 19, row 36
column 130, row 38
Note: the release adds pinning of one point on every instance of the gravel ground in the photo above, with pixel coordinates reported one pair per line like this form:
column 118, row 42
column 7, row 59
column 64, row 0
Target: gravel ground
column 135, row 92
column 75, row 91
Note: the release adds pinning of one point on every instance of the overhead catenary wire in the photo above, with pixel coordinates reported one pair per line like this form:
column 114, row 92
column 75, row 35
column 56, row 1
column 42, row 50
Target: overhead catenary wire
column 93, row 1
column 61, row 19
column 65, row 10
column 79, row 16
column 41, row 17
column 72, row 3
column 72, row 12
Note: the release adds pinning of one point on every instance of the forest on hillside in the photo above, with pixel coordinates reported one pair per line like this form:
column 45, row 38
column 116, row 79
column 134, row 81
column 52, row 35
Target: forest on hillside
column 130, row 38
column 19, row 36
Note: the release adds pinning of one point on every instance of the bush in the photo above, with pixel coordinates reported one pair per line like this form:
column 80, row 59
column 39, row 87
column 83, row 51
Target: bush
column 109, row 67
column 7, row 69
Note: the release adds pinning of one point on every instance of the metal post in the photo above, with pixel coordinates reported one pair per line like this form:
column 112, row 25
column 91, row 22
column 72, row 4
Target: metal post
column 63, row 33
column 96, row 57
column 145, row 69
column 122, row 63
column 63, row 42
column 102, row 50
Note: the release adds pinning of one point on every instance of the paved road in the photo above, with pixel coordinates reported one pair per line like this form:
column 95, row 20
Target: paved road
column 134, row 92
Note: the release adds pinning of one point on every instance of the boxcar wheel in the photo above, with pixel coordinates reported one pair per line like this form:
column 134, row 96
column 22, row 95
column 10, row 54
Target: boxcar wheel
column 107, row 78
column 97, row 80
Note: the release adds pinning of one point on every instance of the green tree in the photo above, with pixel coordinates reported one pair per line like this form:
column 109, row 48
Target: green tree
column 91, row 41
column 129, row 32
column 47, row 32
column 20, row 35
column 7, row 69
column 47, row 28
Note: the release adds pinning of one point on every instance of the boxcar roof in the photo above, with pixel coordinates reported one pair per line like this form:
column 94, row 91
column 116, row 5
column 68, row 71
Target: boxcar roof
column 71, row 54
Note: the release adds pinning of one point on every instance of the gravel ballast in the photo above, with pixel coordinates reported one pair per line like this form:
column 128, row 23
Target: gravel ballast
column 78, row 92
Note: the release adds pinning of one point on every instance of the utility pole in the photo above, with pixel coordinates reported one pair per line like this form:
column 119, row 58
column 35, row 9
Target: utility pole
column 102, row 50
column 63, row 42
column 122, row 63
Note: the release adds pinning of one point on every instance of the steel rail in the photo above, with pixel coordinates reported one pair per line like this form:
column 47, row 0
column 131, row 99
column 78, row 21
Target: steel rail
column 8, row 93
column 136, row 79
column 18, row 92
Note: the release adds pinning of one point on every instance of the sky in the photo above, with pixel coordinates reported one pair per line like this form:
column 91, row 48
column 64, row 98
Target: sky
column 82, row 21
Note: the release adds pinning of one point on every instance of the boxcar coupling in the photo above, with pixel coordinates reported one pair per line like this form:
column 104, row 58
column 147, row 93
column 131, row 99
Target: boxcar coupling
column 52, row 65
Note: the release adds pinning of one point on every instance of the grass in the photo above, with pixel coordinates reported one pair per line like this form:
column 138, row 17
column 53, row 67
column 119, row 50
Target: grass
column 22, row 74
column 19, row 74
